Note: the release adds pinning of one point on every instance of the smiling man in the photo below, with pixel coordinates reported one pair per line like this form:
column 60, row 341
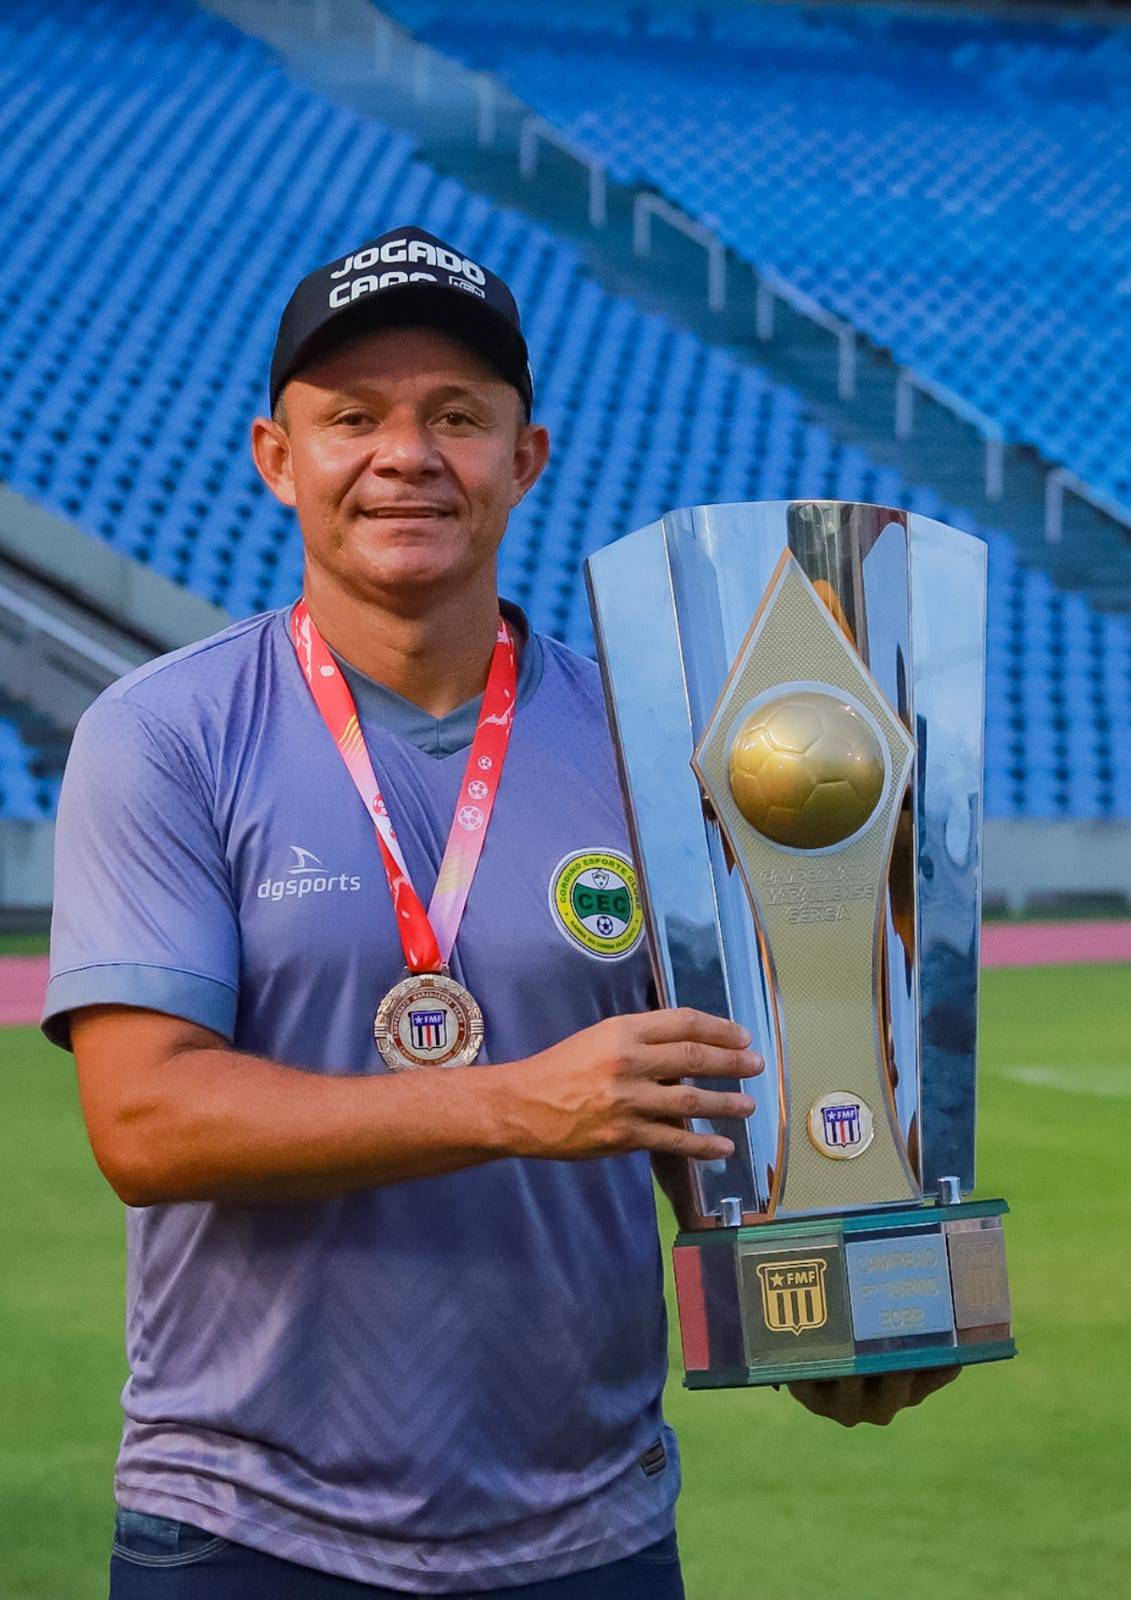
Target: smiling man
column 395, row 1318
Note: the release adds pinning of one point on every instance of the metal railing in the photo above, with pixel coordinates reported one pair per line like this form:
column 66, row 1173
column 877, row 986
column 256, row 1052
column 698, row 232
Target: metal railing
column 990, row 432
column 771, row 287
column 536, row 131
column 1060, row 481
column 647, row 206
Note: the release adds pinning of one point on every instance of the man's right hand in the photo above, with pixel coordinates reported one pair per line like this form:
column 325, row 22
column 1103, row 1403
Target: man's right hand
column 615, row 1087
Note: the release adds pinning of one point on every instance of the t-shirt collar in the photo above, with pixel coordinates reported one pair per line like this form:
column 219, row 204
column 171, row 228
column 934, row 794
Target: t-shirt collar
column 441, row 736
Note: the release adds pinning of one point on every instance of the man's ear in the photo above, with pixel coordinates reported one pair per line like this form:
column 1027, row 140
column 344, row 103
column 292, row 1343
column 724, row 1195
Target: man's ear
column 271, row 452
column 531, row 452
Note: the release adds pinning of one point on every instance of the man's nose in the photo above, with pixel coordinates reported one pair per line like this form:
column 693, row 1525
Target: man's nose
column 404, row 446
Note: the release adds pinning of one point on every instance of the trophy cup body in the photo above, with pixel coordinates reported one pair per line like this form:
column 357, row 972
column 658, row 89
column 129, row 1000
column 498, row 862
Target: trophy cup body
column 796, row 695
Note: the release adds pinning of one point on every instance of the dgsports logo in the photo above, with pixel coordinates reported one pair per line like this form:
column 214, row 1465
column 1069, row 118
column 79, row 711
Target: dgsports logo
column 306, row 875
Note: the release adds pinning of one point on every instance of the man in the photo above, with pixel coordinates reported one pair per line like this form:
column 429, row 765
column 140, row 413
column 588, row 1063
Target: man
column 395, row 1320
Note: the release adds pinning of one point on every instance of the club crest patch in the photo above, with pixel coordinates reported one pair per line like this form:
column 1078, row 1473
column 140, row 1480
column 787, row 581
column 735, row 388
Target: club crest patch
column 594, row 901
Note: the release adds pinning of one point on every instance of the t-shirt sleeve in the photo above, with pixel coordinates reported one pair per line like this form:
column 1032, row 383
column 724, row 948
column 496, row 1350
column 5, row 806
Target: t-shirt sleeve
column 143, row 907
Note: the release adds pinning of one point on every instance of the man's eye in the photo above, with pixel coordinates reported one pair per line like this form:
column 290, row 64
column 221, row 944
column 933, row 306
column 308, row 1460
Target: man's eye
column 456, row 418
column 353, row 419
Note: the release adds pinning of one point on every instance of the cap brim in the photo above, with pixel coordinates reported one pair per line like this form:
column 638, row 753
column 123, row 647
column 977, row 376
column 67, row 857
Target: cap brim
column 452, row 311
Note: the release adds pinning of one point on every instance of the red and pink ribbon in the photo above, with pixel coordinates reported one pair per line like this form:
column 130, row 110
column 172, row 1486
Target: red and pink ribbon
column 427, row 937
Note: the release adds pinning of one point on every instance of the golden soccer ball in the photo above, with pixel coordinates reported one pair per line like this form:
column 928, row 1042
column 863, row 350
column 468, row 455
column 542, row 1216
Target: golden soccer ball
column 806, row 770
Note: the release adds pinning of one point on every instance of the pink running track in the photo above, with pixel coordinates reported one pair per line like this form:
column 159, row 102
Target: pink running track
column 23, row 983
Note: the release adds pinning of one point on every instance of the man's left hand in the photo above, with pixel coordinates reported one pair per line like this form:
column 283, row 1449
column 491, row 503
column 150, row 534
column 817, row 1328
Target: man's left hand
column 874, row 1399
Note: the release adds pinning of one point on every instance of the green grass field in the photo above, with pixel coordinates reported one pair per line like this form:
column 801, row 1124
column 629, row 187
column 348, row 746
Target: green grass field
column 1011, row 1484
column 24, row 944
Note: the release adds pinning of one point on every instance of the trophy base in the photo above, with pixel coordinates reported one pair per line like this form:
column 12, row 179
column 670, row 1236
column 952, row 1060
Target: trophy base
column 830, row 1297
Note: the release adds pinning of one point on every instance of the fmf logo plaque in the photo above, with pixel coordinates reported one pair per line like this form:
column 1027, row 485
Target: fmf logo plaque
column 793, row 1295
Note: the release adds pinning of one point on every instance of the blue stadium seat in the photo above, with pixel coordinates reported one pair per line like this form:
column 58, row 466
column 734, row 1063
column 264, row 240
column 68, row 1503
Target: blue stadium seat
column 24, row 795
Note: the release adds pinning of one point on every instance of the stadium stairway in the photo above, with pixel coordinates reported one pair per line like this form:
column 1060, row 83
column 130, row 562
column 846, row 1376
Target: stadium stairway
column 167, row 181
column 952, row 186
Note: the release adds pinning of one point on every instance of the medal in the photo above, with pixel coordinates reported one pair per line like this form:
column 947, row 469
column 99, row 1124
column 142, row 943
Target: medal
column 427, row 1019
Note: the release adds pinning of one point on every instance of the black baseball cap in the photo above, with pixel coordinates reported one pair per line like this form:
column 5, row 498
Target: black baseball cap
column 404, row 278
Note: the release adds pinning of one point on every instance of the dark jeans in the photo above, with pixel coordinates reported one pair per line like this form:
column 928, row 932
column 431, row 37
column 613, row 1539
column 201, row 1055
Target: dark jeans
column 157, row 1559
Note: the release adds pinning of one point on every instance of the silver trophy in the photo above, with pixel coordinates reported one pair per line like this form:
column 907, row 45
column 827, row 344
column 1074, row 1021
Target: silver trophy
column 796, row 694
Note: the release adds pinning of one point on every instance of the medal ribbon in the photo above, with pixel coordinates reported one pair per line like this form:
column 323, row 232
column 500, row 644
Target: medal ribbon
column 427, row 937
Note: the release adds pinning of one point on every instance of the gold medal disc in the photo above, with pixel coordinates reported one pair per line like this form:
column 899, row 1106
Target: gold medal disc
column 428, row 1020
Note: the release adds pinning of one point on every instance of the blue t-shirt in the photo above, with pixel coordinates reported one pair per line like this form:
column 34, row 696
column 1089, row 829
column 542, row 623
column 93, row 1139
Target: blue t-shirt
column 443, row 1384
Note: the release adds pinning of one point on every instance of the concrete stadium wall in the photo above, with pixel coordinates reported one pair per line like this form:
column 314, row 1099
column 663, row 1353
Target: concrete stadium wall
column 26, row 850
column 1030, row 860
column 131, row 598
column 75, row 615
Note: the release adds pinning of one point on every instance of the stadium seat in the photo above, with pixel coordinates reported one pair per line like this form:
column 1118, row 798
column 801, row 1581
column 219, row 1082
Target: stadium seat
column 24, row 796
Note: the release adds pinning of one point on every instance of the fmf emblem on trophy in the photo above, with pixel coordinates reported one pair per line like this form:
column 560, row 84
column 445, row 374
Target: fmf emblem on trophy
column 793, row 1296
column 796, row 694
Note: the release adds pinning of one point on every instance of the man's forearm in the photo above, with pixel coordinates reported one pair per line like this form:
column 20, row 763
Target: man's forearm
column 175, row 1114
column 227, row 1126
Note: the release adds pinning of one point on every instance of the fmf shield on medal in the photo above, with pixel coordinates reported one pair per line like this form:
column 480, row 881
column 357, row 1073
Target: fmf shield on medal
column 796, row 694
